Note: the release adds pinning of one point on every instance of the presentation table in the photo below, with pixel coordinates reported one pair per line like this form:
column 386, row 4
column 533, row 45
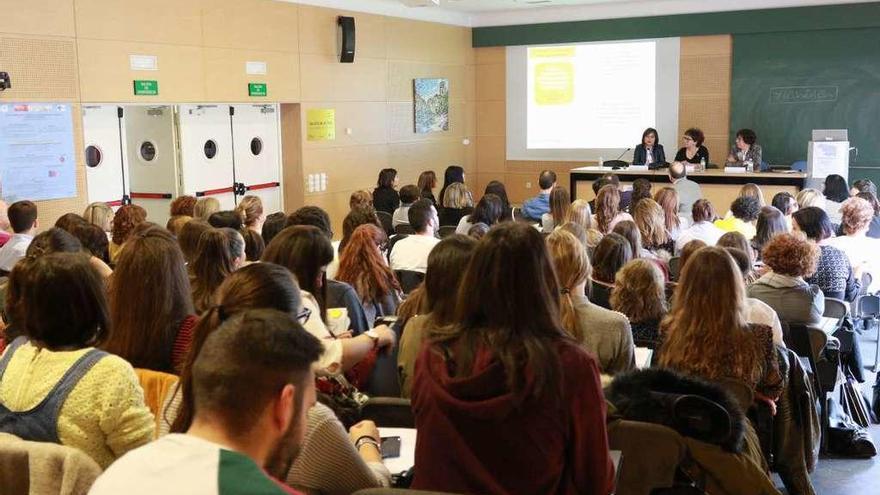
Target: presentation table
column 718, row 186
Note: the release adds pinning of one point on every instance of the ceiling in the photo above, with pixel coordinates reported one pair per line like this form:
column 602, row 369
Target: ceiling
column 500, row 5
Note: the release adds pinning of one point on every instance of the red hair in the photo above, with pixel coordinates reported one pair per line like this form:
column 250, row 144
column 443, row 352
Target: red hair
column 361, row 264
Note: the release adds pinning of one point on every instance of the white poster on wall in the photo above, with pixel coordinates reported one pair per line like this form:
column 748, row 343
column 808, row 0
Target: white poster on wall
column 37, row 158
column 828, row 157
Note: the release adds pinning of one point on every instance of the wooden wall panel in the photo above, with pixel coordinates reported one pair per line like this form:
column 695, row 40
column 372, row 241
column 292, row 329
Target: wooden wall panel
column 325, row 79
column 40, row 68
column 157, row 21
column 227, row 80
column 250, row 24
column 491, row 117
column 348, row 168
column 429, row 42
column 38, row 17
column 367, row 121
column 492, row 82
column 106, row 76
column 402, row 123
column 704, row 90
column 318, row 32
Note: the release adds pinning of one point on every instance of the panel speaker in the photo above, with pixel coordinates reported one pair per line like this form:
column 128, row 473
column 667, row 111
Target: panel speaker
column 346, row 39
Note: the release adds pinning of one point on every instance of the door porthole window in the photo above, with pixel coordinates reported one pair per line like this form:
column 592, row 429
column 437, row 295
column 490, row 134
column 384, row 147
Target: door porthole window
column 256, row 146
column 210, row 149
column 94, row 157
column 148, row 151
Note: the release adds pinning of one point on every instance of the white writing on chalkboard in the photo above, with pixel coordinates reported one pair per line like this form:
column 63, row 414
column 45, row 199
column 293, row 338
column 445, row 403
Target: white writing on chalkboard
column 803, row 94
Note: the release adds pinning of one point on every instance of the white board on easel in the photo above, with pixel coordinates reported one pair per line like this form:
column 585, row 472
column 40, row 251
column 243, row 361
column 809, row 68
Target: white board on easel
column 828, row 154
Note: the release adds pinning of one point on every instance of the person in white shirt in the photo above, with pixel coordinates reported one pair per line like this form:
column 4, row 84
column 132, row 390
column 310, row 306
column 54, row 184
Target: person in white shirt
column 411, row 253
column 863, row 251
column 23, row 219
column 408, row 195
column 702, row 229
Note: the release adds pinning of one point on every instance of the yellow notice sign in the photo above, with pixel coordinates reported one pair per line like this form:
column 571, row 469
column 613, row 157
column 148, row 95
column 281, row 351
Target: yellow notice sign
column 321, row 124
column 554, row 83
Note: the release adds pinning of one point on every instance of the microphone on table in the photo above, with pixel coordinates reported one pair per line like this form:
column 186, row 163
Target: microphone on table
column 617, row 167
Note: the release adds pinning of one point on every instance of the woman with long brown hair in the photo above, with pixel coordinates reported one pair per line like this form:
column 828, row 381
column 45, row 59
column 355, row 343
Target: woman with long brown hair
column 427, row 183
column 363, row 267
column 328, row 462
column 560, row 205
column 649, row 218
column 610, row 255
column 220, row 252
column 605, row 333
column 189, row 236
column 667, row 198
column 507, row 361
column 608, row 212
column 150, row 303
column 640, row 293
column 126, row 219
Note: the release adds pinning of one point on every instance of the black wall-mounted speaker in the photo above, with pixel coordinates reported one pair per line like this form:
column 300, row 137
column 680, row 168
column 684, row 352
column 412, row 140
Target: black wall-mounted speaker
column 346, row 39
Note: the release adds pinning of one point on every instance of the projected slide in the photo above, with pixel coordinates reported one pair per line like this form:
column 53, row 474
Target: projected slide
column 597, row 95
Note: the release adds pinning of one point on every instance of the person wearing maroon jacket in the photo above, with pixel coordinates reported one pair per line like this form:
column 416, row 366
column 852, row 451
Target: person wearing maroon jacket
column 506, row 402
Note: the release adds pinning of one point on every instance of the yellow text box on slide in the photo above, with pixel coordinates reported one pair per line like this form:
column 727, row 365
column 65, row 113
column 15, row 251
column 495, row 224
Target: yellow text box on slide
column 552, row 52
column 554, row 83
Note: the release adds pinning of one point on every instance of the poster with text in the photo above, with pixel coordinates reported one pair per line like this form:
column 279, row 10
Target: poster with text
column 37, row 158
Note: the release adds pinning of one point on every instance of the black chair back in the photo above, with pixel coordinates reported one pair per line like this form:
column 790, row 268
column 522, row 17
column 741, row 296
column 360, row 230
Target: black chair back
column 409, row 280
column 387, row 221
column 404, row 229
column 446, row 231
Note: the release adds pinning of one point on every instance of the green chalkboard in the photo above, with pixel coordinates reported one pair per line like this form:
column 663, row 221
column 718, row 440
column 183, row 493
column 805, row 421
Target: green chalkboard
column 787, row 84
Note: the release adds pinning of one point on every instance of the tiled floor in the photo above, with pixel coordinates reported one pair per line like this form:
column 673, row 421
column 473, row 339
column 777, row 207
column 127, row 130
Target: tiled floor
column 834, row 476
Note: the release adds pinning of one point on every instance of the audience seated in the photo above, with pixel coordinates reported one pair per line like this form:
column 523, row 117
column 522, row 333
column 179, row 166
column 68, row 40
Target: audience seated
column 534, row 208
column 54, row 386
column 151, row 309
column 810, row 197
column 688, row 191
column 408, row 195
column 610, row 255
column 253, row 245
column 667, row 198
column 23, row 219
column 640, row 294
column 651, row 222
column 834, row 275
column 93, row 240
column 507, row 365
column 183, row 205
column 363, row 267
column 457, row 202
column 220, row 252
column 453, row 174
column 427, row 183
column 608, row 212
column 874, row 227
column 176, row 223
column 68, row 221
column 603, row 332
column 641, row 189
column 446, row 266
column 836, row 191
column 560, row 205
column 226, row 219
column 580, row 214
column 757, row 311
column 785, row 203
column 625, row 196
column 274, row 223
column 126, row 219
column 862, row 251
column 385, row 196
column 478, row 231
column 744, row 211
column 358, row 216
column 702, row 228
column 250, row 209
column 252, row 388
column 688, row 250
column 752, row 190
column 497, row 188
column 790, row 257
column 188, row 238
column 205, row 207
column 488, row 211
column 770, row 222
column 317, row 217
column 360, row 199
column 99, row 214
column 411, row 253
column 739, row 241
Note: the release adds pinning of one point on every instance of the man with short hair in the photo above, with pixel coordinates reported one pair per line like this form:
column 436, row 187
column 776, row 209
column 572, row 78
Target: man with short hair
column 23, row 220
column 252, row 386
column 411, row 253
column 535, row 207
column 688, row 191
column 408, row 195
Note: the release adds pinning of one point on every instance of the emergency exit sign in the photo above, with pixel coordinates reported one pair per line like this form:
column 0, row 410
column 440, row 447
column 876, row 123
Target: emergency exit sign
column 257, row 89
column 146, row 88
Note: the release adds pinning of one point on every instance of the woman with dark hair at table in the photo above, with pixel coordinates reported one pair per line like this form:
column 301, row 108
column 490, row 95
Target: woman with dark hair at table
column 693, row 150
column 650, row 151
column 745, row 153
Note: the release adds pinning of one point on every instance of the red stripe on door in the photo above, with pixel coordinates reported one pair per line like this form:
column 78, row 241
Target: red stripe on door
column 140, row 195
column 210, row 192
column 267, row 185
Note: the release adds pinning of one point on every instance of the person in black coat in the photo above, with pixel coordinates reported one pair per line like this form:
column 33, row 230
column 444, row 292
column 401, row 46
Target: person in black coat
column 650, row 152
column 385, row 196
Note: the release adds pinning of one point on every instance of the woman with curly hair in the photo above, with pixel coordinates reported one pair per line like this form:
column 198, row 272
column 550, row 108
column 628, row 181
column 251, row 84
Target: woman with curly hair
column 862, row 251
column 126, row 219
column 790, row 258
column 363, row 267
column 640, row 294
column 608, row 212
column 183, row 205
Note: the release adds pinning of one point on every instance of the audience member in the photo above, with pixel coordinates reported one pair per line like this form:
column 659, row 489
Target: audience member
column 151, row 306
column 411, row 253
column 408, row 195
column 608, row 211
column 101, row 215
column 360, row 199
column 874, row 226
column 630, row 231
column 744, row 211
column 274, row 223
column 610, row 255
column 454, row 174
column 580, row 214
column 253, row 245
column 836, row 191
column 250, row 209
column 93, row 240
column 834, row 274
column 757, row 311
column 182, row 205
column 603, row 332
column 790, row 257
column 625, row 195
column 596, row 186
column 205, row 207
column 862, row 251
column 534, row 208
column 457, row 202
column 478, row 231
column 752, row 190
column 785, row 203
column 226, row 219
column 176, row 223
column 54, row 386
column 739, row 241
column 488, row 211
column 23, row 219
column 560, row 205
column 810, row 197
column 446, row 266
column 354, row 219
column 220, row 252
column 189, row 239
column 68, row 221
column 639, row 293
column 579, row 233
column 641, row 189
column 427, row 183
column 770, row 222
column 497, row 188
column 688, row 250
column 688, row 191
column 863, row 186
column 667, row 198
column 252, row 385
column 363, row 267
column 651, row 221
column 702, row 228
column 508, row 361
column 385, row 197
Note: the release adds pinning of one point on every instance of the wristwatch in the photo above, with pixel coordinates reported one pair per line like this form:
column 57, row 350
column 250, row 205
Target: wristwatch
column 367, row 440
column 374, row 336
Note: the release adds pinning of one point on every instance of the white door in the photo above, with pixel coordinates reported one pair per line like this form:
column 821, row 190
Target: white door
column 151, row 154
column 106, row 171
column 206, row 152
column 257, row 154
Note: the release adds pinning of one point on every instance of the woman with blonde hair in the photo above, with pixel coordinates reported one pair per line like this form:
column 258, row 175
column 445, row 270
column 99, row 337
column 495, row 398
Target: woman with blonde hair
column 205, row 207
column 640, row 293
column 457, row 202
column 605, row 333
column 363, row 267
column 608, row 212
column 101, row 215
column 752, row 190
column 251, row 210
column 810, row 197
column 651, row 221
column 560, row 205
column 667, row 198
column 362, row 198
column 580, row 214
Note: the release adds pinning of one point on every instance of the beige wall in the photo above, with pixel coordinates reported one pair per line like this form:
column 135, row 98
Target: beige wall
column 77, row 51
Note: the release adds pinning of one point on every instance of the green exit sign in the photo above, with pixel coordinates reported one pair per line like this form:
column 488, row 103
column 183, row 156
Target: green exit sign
column 146, row 88
column 257, row 89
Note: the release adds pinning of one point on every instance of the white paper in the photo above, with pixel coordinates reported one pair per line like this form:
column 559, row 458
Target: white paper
column 829, row 157
column 143, row 62
column 255, row 67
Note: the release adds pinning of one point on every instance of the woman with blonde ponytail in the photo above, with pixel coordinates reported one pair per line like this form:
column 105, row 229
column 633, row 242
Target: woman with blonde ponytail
column 606, row 333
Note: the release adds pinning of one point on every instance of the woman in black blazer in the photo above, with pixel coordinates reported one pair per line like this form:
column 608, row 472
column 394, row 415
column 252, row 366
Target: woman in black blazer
column 650, row 152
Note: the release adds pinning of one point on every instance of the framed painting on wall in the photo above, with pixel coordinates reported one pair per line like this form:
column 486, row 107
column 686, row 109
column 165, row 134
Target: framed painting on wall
column 431, row 105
